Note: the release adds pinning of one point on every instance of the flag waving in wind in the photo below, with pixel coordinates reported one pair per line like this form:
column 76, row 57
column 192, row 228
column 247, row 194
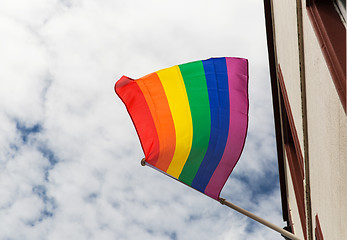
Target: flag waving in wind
column 191, row 119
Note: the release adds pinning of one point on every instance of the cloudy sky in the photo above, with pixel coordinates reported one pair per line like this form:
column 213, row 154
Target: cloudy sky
column 69, row 155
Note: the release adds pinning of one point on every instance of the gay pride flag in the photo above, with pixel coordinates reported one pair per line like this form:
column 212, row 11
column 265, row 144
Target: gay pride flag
column 191, row 119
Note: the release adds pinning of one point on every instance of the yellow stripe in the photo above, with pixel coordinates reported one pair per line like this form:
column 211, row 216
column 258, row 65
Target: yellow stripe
column 175, row 91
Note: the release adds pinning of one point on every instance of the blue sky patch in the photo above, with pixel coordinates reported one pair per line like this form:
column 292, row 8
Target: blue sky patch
column 26, row 131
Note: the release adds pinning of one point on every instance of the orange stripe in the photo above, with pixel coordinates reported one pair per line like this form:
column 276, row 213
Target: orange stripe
column 175, row 90
column 155, row 96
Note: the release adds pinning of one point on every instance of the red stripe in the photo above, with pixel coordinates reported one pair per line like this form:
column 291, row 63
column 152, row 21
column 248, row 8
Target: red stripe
column 138, row 109
column 155, row 96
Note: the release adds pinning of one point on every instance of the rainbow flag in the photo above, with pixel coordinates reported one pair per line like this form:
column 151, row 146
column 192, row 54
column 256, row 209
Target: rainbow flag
column 191, row 119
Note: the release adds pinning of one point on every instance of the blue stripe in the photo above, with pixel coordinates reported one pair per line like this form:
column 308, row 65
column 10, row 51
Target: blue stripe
column 218, row 92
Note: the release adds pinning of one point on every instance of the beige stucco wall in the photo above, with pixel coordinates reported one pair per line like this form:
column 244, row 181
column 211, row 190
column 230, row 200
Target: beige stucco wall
column 293, row 207
column 327, row 135
column 287, row 53
column 327, row 122
column 288, row 57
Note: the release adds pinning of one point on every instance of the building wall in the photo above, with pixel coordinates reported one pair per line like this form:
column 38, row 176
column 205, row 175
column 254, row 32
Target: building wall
column 287, row 53
column 327, row 138
column 293, row 209
column 326, row 122
column 288, row 56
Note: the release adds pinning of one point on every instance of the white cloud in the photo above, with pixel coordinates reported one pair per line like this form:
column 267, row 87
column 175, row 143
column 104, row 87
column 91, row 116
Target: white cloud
column 79, row 175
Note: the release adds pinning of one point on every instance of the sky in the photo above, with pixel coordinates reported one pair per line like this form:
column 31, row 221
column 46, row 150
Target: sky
column 69, row 154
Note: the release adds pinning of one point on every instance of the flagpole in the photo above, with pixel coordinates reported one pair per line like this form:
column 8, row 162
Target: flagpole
column 240, row 210
column 259, row 219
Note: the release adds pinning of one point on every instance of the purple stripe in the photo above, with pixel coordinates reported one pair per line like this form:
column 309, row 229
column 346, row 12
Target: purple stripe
column 238, row 85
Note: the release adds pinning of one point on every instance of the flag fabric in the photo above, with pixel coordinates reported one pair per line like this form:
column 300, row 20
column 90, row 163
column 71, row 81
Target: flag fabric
column 191, row 119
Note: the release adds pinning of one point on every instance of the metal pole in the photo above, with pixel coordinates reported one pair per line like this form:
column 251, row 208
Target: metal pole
column 258, row 219
column 243, row 211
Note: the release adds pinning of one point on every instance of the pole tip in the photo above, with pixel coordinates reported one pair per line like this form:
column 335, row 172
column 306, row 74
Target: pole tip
column 222, row 200
column 143, row 162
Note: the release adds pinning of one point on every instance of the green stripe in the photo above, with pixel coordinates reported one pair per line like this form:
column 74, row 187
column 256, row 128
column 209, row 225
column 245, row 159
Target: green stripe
column 194, row 79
